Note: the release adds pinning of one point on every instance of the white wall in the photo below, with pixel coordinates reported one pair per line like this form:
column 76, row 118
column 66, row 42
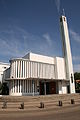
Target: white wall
column 67, row 52
column 3, row 67
column 60, row 68
column 30, row 69
column 39, row 58
column 62, row 87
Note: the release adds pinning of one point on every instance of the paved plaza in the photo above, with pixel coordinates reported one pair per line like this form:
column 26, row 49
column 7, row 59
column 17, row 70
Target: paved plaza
column 61, row 113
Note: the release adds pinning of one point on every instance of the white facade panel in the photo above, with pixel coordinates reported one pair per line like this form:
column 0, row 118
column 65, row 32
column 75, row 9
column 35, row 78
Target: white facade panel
column 62, row 87
column 33, row 70
column 3, row 67
column 27, row 68
column 60, row 68
column 41, row 58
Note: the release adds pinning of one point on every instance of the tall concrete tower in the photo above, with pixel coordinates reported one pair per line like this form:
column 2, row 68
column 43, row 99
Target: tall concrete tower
column 67, row 52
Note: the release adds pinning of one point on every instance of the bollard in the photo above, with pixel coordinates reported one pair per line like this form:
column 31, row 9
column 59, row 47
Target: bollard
column 72, row 101
column 4, row 105
column 22, row 106
column 41, row 105
column 60, row 103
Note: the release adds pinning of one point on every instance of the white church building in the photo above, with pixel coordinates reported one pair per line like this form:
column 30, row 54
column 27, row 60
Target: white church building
column 3, row 67
column 36, row 74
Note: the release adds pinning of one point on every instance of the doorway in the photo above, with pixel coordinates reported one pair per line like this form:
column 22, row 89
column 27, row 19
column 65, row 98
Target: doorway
column 50, row 88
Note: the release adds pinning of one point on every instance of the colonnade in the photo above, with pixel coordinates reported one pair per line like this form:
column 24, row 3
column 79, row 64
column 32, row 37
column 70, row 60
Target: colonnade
column 29, row 69
column 24, row 87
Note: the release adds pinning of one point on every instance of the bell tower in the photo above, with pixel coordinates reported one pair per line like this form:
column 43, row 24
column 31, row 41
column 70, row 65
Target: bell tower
column 67, row 52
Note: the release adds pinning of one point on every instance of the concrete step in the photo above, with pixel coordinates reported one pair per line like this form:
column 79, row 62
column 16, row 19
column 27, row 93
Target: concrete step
column 36, row 104
column 30, row 102
column 27, row 98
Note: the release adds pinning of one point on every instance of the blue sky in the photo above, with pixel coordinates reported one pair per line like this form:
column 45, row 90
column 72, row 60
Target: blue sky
column 33, row 26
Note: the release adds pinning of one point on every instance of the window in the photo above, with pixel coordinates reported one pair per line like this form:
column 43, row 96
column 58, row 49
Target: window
column 4, row 67
column 64, row 19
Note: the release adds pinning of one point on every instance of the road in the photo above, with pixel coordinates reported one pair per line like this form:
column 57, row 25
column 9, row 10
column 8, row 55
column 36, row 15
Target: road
column 63, row 113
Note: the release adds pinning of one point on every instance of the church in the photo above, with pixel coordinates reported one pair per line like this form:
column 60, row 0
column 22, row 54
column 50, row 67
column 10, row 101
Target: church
column 35, row 74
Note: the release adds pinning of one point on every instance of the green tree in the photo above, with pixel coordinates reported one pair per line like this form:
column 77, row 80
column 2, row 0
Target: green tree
column 77, row 76
column 77, row 84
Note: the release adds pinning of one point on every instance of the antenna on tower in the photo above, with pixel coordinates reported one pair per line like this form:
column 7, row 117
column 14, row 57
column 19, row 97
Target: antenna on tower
column 63, row 12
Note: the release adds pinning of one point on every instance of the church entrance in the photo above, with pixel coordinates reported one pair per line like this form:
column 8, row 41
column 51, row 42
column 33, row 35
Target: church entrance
column 47, row 88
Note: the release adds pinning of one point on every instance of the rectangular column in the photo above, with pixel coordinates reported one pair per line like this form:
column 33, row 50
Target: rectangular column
column 13, row 86
column 16, row 69
column 10, row 87
column 33, row 86
column 21, row 70
column 25, row 69
column 29, row 86
column 45, row 88
column 25, row 86
column 20, row 86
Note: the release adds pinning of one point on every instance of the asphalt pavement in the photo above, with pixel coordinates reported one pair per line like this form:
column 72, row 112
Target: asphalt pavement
column 60, row 113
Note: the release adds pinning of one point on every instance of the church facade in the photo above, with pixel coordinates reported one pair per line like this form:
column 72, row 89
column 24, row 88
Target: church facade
column 36, row 74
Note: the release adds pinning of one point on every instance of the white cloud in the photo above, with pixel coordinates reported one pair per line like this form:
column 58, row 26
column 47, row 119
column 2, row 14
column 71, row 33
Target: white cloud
column 9, row 48
column 76, row 58
column 76, row 68
column 16, row 42
column 58, row 5
column 74, row 35
column 48, row 39
column 12, row 42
